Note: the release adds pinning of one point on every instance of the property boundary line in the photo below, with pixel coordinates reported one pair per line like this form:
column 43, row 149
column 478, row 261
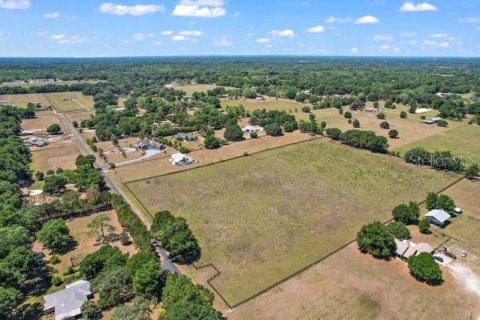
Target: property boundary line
column 226, row 160
column 275, row 284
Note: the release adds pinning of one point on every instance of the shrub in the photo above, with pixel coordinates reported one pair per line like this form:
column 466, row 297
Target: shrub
column 424, row 268
column 347, row 115
column 385, row 125
column 381, row 115
column 54, row 129
column 273, row 129
column 393, row 133
column 306, row 109
column 403, row 115
column 333, row 133
column 408, row 214
column 424, row 226
column 254, row 135
column 54, row 259
column 399, row 230
column 57, row 281
column 442, row 123
column 356, row 123
column 233, row 132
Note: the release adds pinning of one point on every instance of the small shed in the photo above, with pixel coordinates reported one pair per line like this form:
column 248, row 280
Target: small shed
column 186, row 136
column 179, row 159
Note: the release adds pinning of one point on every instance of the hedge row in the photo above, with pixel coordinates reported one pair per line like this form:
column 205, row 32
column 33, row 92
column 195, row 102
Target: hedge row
column 130, row 221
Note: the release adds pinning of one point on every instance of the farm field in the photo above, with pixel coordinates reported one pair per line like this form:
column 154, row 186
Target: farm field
column 76, row 101
column 160, row 164
column 466, row 194
column 269, row 104
column 256, row 235
column 79, row 116
column 462, row 141
column 41, row 123
column 21, row 100
column 38, row 84
column 190, row 89
column 58, row 155
column 351, row 285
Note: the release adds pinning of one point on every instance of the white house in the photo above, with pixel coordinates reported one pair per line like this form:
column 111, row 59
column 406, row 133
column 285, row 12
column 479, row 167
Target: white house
column 438, row 217
column 179, row 159
column 406, row 249
column 67, row 303
column 251, row 129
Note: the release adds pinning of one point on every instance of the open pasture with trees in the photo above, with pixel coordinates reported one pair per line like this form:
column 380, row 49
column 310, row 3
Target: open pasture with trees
column 190, row 89
column 268, row 104
column 70, row 101
column 256, row 235
column 86, row 241
column 463, row 141
column 41, row 123
column 352, row 285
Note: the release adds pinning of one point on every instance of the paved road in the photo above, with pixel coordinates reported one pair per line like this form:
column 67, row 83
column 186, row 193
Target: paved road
column 167, row 264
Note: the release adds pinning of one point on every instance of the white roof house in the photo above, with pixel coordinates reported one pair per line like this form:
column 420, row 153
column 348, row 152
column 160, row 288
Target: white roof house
column 438, row 217
column 179, row 159
column 67, row 303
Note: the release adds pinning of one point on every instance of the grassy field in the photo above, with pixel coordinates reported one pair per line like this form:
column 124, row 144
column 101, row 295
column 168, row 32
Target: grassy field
column 271, row 214
column 76, row 101
column 351, row 285
column 38, row 84
column 61, row 155
column 21, row 100
column 462, row 141
column 190, row 89
column 268, row 104
column 467, row 195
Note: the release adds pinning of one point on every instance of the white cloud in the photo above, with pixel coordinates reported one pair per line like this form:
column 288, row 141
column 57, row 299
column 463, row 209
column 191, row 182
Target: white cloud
column 316, row 29
column 383, row 37
column 439, row 35
column 136, row 10
column 385, row 47
column 179, row 38
column 367, row 20
column 354, row 50
column 435, row 44
column 15, row 4
column 236, row 14
column 396, row 50
column 167, row 33
column 63, row 39
column 283, row 33
column 333, row 19
column 191, row 33
column 42, row 33
column 157, row 43
column 142, row 36
column 418, row 7
column 51, row 15
column 200, row 8
column 470, row 20
column 223, row 43
column 263, row 40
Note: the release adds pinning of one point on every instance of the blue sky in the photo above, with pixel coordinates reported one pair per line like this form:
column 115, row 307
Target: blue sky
column 91, row 28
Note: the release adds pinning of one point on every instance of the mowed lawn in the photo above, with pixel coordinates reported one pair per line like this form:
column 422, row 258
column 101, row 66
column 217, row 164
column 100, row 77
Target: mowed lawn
column 263, row 217
column 463, row 141
column 70, row 101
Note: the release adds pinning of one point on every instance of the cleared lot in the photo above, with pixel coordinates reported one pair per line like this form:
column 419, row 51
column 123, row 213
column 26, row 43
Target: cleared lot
column 263, row 217
column 22, row 100
column 70, row 101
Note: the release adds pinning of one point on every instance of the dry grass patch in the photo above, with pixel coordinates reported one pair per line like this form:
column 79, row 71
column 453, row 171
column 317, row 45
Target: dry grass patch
column 351, row 285
column 160, row 164
column 61, row 155
column 263, row 217
column 41, row 123
column 70, row 101
column 466, row 194
column 268, row 104
column 22, row 100
column 79, row 116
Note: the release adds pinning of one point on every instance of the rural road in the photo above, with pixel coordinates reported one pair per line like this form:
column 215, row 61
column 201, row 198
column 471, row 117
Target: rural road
column 167, row 264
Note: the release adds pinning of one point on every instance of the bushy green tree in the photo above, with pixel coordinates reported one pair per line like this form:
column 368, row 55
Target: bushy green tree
column 393, row 133
column 356, row 123
column 424, row 268
column 424, row 226
column 273, row 129
column 376, row 239
column 54, row 129
column 55, row 235
column 399, row 230
column 114, row 287
column 472, row 171
column 408, row 214
column 10, row 299
column 233, row 132
column 90, row 311
column 55, row 184
column 385, row 125
column 149, row 280
column 138, row 310
column 107, row 257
